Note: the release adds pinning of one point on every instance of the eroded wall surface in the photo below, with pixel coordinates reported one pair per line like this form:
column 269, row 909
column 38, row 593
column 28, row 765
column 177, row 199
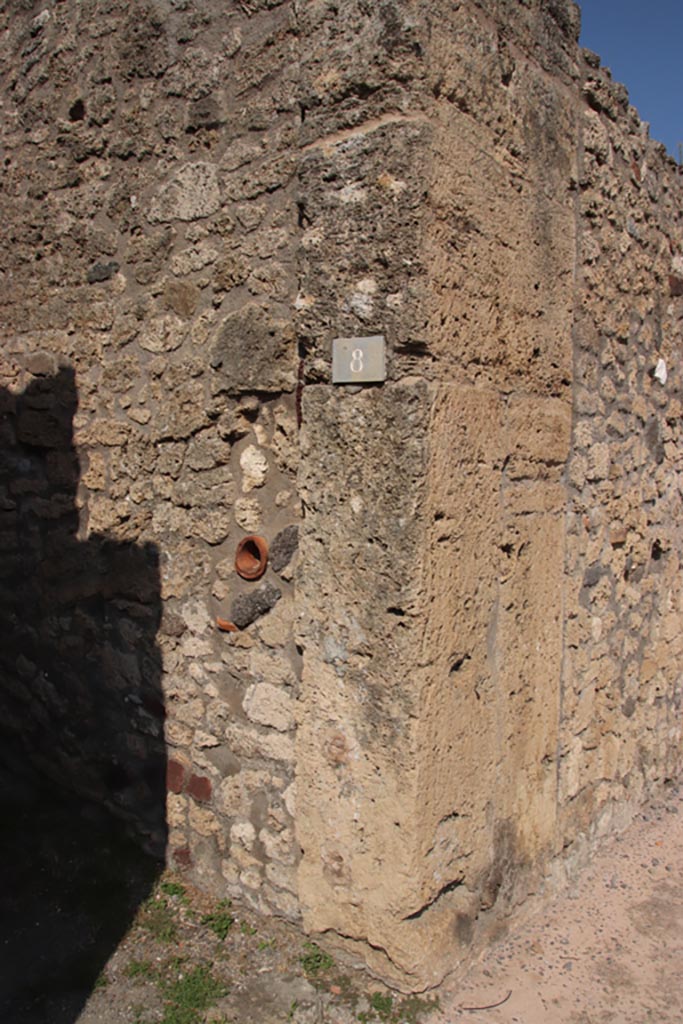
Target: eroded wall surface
column 526, row 694
column 462, row 662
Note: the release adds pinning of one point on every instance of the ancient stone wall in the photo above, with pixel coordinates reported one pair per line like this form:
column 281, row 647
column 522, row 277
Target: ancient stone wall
column 470, row 666
column 622, row 688
column 455, row 736
column 148, row 251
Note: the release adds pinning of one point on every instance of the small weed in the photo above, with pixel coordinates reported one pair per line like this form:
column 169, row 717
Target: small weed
column 174, row 889
column 247, row 929
column 408, row 1010
column 220, row 921
column 292, row 1010
column 101, row 981
column 190, row 994
column 382, row 1004
column 315, row 960
column 266, row 944
column 412, row 1008
column 157, row 918
column 140, row 969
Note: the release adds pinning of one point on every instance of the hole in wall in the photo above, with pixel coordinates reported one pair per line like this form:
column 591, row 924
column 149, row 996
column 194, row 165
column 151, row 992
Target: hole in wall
column 251, row 557
column 77, row 110
column 458, row 663
column 303, row 220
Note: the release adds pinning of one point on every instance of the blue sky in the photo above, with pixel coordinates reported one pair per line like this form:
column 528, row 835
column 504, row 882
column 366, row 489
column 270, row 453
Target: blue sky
column 641, row 41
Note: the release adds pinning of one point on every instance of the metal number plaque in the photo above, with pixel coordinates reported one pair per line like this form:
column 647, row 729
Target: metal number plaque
column 359, row 360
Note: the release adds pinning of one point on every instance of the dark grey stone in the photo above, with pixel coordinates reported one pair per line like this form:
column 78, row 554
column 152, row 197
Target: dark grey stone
column 254, row 352
column 283, row 547
column 204, row 113
column 593, row 575
column 102, row 272
column 248, row 607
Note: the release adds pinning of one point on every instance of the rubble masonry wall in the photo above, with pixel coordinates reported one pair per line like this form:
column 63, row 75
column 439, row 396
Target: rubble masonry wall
column 462, row 662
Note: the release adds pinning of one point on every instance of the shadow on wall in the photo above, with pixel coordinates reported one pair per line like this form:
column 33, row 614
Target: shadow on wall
column 82, row 756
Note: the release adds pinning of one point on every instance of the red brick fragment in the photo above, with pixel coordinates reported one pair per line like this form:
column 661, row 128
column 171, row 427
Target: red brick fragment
column 199, row 787
column 175, row 776
column 675, row 285
column 183, row 857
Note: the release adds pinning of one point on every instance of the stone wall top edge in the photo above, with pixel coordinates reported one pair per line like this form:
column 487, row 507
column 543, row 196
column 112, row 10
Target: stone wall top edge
column 606, row 95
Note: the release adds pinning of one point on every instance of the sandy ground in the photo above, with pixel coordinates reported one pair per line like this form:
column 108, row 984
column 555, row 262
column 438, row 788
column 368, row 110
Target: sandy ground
column 608, row 951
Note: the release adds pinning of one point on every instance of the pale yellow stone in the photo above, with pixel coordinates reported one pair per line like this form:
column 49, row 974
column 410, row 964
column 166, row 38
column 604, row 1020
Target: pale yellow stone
column 202, row 820
column 270, row 706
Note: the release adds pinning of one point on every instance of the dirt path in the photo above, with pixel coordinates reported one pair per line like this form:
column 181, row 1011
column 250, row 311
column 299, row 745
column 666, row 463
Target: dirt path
column 610, row 951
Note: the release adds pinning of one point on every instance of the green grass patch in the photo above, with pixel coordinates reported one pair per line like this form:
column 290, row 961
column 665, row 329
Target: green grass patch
column 315, row 960
column 157, row 918
column 174, row 889
column 247, row 929
column 382, row 1004
column 189, row 995
column 220, row 920
column 412, row 1009
column 407, row 1010
column 140, row 969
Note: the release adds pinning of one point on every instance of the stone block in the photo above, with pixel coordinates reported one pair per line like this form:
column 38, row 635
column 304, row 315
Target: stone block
column 192, row 194
column 254, row 351
column 268, row 705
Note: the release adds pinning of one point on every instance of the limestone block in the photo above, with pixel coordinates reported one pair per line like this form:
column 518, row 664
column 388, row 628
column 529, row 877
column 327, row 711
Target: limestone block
column 254, row 466
column 268, row 705
column 195, row 257
column 236, row 792
column 202, row 820
column 244, row 833
column 251, row 877
column 276, row 630
column 192, row 193
column 176, row 810
column 196, row 616
column 285, row 902
column 248, row 514
column 540, row 430
column 249, row 742
column 270, row 667
column 278, row 846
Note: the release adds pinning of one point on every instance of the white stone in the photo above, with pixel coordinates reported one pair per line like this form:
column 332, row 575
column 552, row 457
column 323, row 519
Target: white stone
column 254, row 466
column 289, row 797
column 248, row 514
column 243, row 832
